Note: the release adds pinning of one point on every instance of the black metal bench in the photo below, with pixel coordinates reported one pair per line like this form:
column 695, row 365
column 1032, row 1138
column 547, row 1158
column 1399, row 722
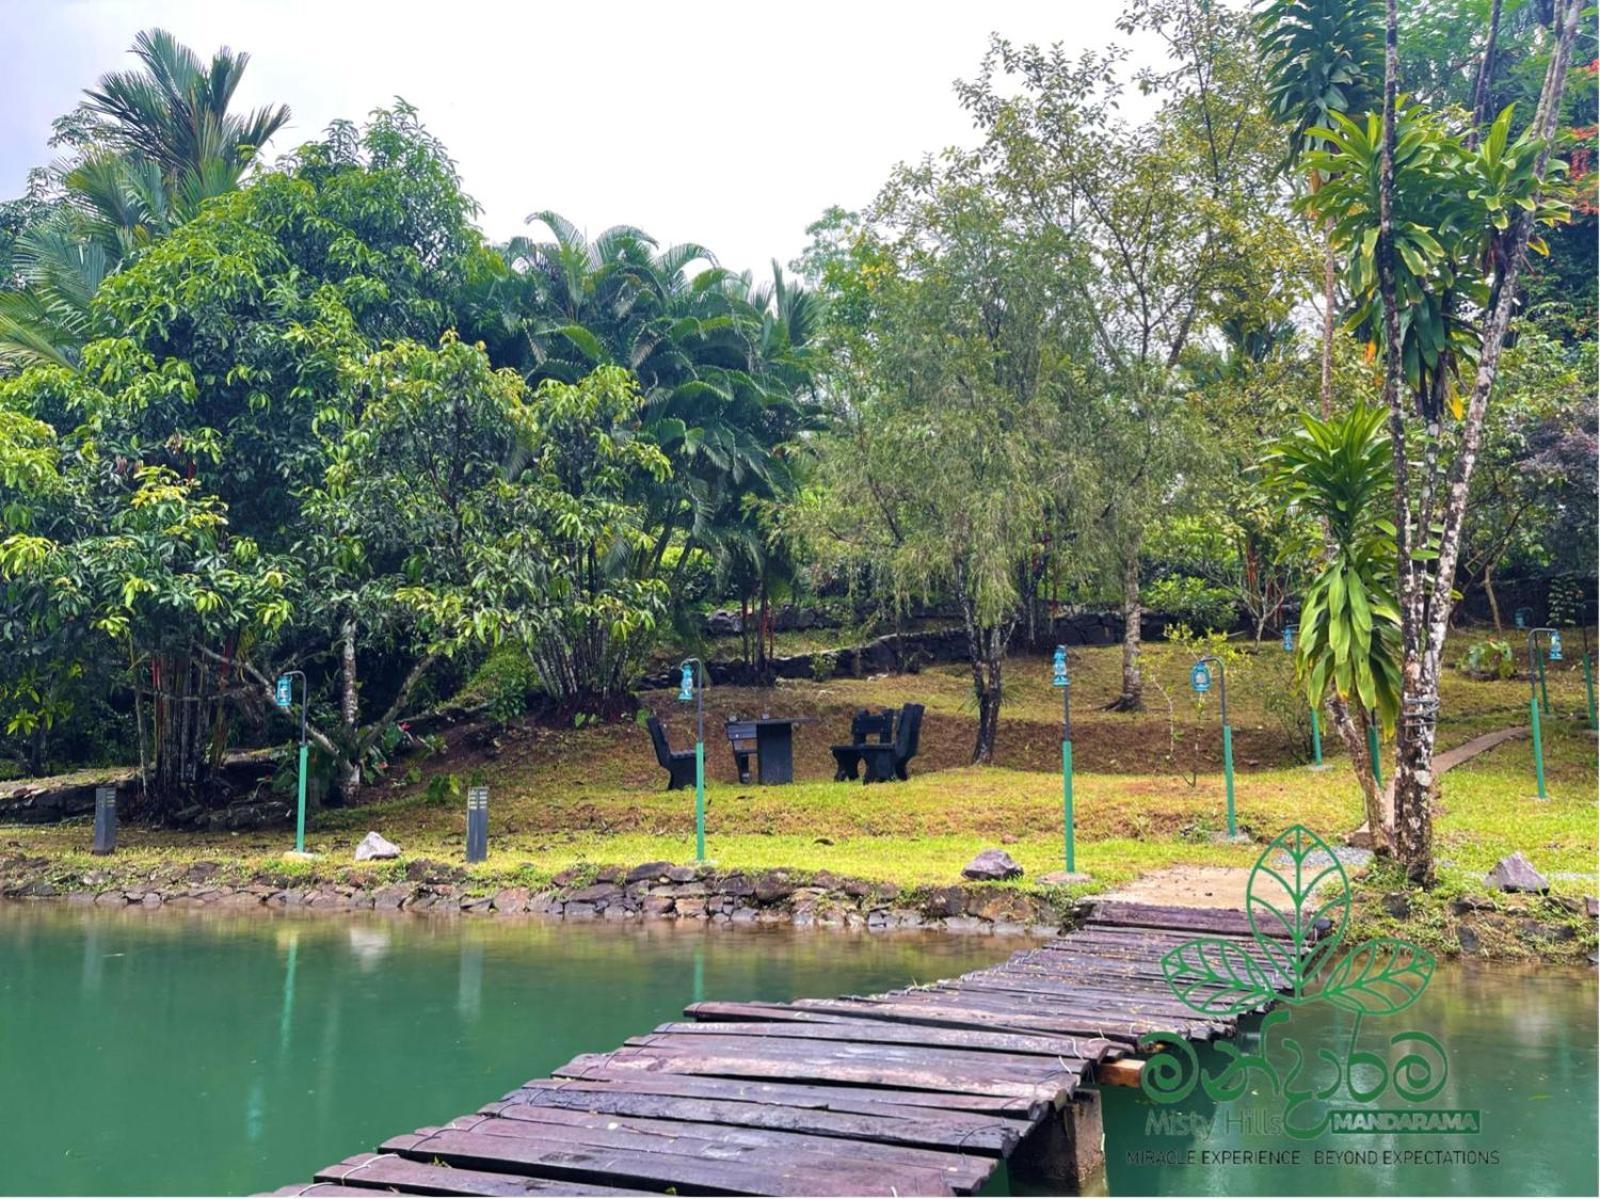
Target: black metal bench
column 864, row 725
column 679, row 764
column 888, row 762
column 742, row 740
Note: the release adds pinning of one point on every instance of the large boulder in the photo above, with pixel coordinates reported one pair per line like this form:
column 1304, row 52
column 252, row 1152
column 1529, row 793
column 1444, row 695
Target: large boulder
column 376, row 848
column 1515, row 873
column 992, row 865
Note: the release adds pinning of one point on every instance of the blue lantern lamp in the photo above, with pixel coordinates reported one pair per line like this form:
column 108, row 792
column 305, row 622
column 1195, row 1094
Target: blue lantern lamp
column 1200, row 682
column 1289, row 631
column 691, row 686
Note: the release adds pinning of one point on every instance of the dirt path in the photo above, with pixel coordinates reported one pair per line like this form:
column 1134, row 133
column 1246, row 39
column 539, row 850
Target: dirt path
column 1224, row 886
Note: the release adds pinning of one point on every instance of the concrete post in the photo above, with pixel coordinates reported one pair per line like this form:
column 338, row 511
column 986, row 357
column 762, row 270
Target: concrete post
column 1067, row 1152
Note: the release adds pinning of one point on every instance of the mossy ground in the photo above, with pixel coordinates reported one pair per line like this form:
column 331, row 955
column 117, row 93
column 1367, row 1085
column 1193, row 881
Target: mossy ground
column 1148, row 788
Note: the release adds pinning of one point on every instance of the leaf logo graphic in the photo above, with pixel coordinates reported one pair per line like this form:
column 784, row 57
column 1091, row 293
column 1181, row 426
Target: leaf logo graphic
column 1298, row 904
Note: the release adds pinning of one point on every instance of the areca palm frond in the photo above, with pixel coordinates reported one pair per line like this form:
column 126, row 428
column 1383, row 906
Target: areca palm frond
column 175, row 110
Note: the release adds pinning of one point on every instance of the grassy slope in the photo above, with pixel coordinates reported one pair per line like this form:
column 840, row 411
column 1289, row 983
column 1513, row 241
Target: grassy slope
column 594, row 795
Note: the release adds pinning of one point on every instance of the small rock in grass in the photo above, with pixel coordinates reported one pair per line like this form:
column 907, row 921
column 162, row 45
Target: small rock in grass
column 375, row 847
column 992, row 865
column 1516, row 873
column 1591, row 906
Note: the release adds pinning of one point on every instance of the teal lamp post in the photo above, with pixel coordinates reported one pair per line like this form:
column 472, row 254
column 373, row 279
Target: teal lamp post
column 1534, row 685
column 1058, row 678
column 283, row 696
column 1316, row 717
column 693, row 687
column 1200, row 681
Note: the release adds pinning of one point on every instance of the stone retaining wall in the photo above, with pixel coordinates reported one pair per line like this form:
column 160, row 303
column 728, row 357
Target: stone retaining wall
column 653, row 891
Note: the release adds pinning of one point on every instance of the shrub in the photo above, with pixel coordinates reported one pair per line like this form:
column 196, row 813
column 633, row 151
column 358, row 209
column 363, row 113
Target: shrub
column 1491, row 659
column 1193, row 602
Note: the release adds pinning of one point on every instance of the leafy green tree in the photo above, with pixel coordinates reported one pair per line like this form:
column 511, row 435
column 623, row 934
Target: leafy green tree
column 1436, row 227
column 945, row 450
column 1183, row 238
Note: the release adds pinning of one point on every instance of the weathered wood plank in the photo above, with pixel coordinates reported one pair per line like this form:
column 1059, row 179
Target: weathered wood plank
column 995, row 1136
column 792, row 1043
column 368, row 1172
column 594, row 1071
column 867, row 1072
column 773, row 1174
column 963, row 1171
column 882, row 1033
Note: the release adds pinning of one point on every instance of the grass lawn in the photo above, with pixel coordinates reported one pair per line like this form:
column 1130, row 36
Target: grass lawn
column 1148, row 788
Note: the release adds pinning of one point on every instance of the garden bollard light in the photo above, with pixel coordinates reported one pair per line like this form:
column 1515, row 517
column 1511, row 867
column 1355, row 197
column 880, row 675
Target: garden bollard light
column 477, row 824
column 692, row 686
column 105, row 821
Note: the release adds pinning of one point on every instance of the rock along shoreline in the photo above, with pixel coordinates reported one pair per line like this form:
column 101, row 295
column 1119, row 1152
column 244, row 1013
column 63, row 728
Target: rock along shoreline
column 651, row 891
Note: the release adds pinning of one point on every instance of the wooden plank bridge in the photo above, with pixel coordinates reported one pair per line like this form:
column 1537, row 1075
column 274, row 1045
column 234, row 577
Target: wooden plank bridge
column 920, row 1091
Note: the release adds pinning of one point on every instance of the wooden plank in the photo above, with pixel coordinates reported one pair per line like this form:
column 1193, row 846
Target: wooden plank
column 885, row 1032
column 1124, row 1073
column 330, row 1189
column 368, row 1172
column 867, row 1073
column 1202, row 920
column 772, row 1174
column 961, row 1171
column 937, row 1010
column 995, row 1136
column 951, row 1063
column 594, row 1071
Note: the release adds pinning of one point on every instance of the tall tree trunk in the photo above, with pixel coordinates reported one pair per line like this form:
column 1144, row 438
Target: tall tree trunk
column 986, row 647
column 1424, row 640
column 1353, row 733
column 348, row 784
column 1132, row 697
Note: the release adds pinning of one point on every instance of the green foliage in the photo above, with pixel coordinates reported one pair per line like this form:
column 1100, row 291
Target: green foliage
column 1192, row 601
column 1339, row 471
column 1489, row 659
column 1452, row 197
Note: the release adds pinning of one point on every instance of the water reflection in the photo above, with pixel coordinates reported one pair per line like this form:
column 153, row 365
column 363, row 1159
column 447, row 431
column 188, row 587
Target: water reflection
column 1517, row 1046
column 229, row 1053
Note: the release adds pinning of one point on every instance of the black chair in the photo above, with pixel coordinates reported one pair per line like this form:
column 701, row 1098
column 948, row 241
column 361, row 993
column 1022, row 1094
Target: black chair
column 862, row 726
column 678, row 764
column 742, row 740
column 887, row 762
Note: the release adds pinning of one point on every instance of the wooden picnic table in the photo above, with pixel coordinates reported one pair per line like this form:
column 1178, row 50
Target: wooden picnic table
column 774, row 740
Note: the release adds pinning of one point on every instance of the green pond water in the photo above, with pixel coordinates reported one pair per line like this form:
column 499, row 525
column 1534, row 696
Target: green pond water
column 1515, row 1045
column 193, row 1053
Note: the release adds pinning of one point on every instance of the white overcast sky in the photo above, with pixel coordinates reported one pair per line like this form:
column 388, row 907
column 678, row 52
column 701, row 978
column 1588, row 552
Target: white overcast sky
column 732, row 124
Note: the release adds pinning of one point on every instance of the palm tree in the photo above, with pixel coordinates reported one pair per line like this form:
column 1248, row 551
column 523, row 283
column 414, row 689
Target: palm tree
column 161, row 143
column 174, row 113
